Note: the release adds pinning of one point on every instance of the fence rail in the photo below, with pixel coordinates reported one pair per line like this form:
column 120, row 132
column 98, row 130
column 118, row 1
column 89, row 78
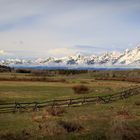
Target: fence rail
column 36, row 106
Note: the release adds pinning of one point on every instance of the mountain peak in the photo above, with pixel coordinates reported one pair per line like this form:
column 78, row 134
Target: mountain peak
column 126, row 51
column 107, row 59
column 79, row 54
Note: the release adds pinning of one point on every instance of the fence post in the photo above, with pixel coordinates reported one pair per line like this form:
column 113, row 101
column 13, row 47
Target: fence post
column 70, row 102
column 53, row 104
column 97, row 100
column 20, row 107
column 15, row 109
column 106, row 99
column 109, row 99
column 36, row 107
column 123, row 95
column 84, row 100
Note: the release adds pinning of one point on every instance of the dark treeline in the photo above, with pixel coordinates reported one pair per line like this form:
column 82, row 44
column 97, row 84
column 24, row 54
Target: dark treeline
column 50, row 72
column 102, row 74
column 23, row 71
column 133, row 73
column 5, row 68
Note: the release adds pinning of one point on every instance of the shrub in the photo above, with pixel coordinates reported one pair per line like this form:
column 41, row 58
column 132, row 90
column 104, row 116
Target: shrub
column 24, row 135
column 80, row 89
column 23, row 71
column 125, row 113
column 70, row 126
column 51, row 128
column 121, row 130
column 137, row 103
column 55, row 111
column 84, row 82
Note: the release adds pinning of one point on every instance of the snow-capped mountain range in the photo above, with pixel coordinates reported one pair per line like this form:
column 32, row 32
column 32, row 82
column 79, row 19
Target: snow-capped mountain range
column 129, row 58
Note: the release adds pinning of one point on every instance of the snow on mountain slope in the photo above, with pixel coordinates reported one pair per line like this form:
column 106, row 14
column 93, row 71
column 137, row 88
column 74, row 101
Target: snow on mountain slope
column 129, row 58
column 107, row 58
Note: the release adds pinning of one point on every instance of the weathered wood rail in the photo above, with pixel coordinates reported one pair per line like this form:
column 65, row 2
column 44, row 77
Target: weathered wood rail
column 36, row 106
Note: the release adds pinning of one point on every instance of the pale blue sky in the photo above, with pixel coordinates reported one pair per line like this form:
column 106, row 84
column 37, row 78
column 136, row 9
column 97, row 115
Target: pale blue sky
column 42, row 28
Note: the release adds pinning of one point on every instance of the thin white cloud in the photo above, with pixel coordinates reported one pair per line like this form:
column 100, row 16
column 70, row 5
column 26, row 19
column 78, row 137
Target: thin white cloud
column 2, row 52
column 61, row 52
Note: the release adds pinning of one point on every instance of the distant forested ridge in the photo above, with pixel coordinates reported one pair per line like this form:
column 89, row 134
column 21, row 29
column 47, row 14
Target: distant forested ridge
column 5, row 68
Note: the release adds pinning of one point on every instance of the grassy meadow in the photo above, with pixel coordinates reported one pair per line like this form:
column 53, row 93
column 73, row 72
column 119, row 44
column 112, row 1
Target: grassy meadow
column 116, row 120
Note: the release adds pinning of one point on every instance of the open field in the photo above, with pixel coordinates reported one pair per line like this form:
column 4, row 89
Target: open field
column 98, row 121
column 41, row 91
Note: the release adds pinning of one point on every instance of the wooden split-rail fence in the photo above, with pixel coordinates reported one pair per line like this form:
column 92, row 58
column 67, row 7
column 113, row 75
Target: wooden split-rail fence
column 36, row 106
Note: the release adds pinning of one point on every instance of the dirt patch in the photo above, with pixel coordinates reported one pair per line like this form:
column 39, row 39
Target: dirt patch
column 71, row 126
column 120, row 129
column 85, row 117
column 55, row 111
column 124, row 114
